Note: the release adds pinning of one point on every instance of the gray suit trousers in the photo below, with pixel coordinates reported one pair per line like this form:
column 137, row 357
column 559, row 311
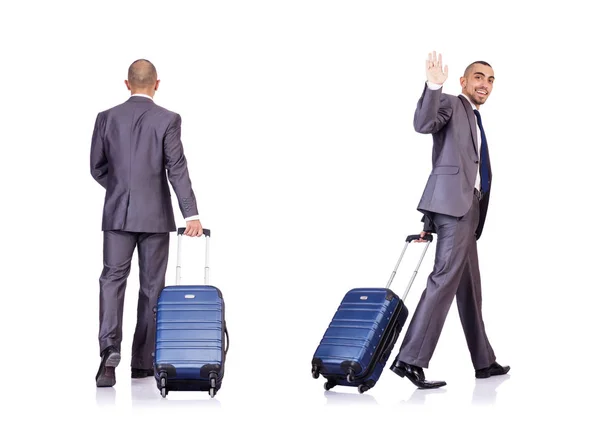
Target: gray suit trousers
column 455, row 273
column 153, row 253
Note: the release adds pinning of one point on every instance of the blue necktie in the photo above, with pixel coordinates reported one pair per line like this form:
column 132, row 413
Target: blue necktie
column 484, row 162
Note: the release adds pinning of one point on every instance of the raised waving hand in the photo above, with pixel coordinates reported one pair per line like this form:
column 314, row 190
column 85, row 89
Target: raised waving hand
column 433, row 68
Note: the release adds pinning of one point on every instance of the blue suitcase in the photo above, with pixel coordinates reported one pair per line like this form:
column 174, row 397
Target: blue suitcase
column 360, row 338
column 191, row 334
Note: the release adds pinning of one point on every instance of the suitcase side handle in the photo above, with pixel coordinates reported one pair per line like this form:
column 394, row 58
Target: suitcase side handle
column 391, row 342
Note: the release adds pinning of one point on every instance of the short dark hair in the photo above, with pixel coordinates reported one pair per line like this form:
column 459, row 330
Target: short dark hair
column 142, row 73
column 467, row 70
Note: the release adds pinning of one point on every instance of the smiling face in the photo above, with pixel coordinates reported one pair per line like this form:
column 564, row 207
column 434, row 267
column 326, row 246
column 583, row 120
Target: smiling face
column 478, row 82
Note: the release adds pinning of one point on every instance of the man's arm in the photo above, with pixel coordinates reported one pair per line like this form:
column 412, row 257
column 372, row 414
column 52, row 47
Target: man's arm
column 193, row 227
column 178, row 175
column 431, row 115
column 98, row 161
column 428, row 225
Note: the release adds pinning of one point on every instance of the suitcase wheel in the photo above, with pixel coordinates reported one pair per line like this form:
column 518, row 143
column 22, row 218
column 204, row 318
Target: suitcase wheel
column 350, row 377
column 315, row 373
column 213, row 384
column 163, row 385
column 329, row 385
column 362, row 388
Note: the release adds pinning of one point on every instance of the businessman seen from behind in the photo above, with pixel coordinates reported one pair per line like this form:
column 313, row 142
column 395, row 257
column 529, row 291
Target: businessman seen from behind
column 136, row 150
column 454, row 204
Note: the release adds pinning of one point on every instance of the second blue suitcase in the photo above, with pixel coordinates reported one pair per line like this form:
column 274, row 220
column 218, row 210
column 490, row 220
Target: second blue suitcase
column 360, row 338
column 191, row 334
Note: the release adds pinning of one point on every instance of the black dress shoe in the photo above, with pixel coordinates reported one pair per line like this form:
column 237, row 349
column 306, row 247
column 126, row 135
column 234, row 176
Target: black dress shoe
column 139, row 373
column 106, row 373
column 493, row 370
column 415, row 375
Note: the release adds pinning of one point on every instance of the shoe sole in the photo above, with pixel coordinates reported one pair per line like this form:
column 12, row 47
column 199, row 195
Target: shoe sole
column 432, row 387
column 113, row 360
column 108, row 379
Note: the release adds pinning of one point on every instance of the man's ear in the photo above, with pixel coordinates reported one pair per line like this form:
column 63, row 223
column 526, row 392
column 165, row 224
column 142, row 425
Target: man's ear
column 157, row 84
column 127, row 85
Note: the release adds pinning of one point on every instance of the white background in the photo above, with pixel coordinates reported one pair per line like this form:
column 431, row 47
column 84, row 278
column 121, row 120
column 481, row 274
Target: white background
column 297, row 126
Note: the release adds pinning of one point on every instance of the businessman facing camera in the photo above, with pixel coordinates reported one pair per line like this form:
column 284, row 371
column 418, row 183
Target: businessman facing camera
column 454, row 204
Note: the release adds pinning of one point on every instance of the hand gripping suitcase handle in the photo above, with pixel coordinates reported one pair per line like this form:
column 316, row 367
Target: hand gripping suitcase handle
column 206, row 233
column 427, row 237
column 410, row 239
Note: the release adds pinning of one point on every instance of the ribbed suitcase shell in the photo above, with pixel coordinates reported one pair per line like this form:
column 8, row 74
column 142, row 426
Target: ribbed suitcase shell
column 190, row 337
column 359, row 336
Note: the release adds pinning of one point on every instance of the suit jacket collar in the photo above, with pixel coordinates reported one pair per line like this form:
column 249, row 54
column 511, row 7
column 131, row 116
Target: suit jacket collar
column 472, row 120
column 139, row 99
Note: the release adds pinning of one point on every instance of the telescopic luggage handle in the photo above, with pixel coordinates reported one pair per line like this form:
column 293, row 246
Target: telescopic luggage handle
column 206, row 233
column 410, row 239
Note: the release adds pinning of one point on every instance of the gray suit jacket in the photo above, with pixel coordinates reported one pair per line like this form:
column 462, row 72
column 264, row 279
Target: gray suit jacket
column 136, row 146
column 449, row 189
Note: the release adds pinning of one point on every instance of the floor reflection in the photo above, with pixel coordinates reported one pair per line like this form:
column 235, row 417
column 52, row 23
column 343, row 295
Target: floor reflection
column 485, row 390
column 106, row 396
column 350, row 397
column 144, row 393
column 420, row 397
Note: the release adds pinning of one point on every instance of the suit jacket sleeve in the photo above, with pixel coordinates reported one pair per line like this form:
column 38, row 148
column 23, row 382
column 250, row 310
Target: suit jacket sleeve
column 432, row 113
column 98, row 161
column 177, row 170
column 428, row 225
